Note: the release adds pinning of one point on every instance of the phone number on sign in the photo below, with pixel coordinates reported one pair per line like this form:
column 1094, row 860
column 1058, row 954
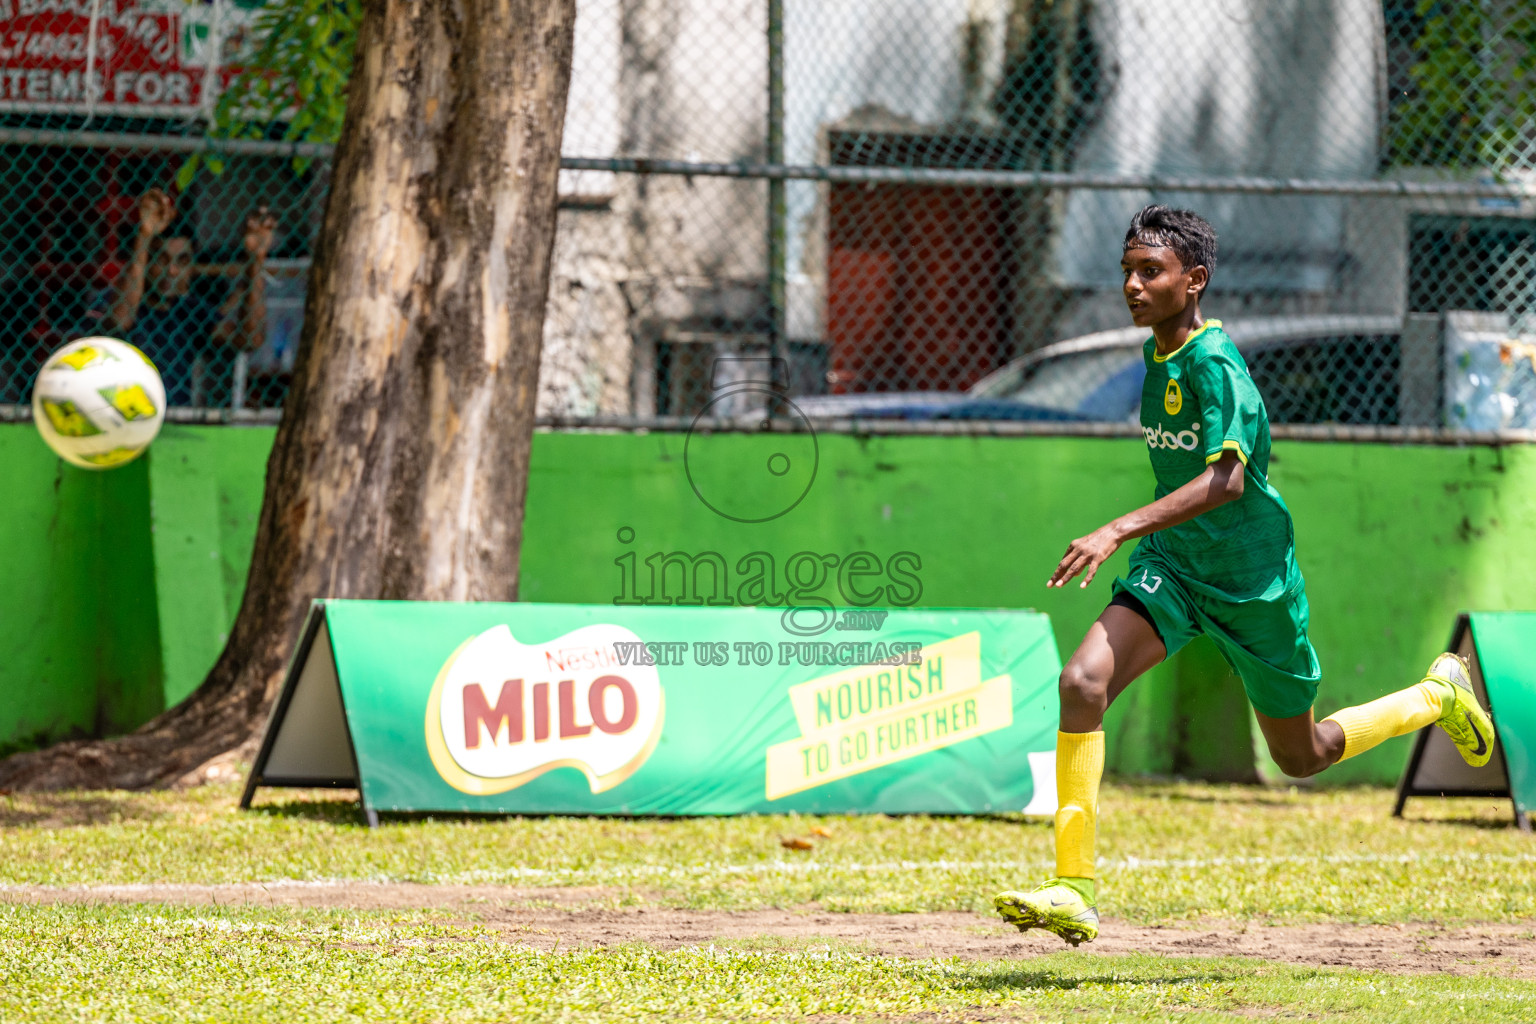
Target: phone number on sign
column 48, row 46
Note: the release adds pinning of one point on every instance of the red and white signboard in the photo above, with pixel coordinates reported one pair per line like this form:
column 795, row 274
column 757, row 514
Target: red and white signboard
column 151, row 57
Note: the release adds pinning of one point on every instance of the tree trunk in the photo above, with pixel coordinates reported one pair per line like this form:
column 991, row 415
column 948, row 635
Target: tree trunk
column 401, row 465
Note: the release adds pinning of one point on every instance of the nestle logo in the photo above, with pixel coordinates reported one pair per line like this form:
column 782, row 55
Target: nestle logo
column 566, row 659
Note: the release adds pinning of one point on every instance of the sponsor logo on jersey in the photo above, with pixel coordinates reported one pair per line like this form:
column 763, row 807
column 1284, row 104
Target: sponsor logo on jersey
column 1188, row 440
column 1173, row 399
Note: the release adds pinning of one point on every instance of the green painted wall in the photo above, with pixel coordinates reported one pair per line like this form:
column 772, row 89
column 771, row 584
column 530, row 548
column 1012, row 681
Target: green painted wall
column 79, row 644
column 205, row 496
column 1393, row 541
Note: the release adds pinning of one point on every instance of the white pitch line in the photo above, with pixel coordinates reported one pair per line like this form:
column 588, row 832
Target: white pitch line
column 623, row 872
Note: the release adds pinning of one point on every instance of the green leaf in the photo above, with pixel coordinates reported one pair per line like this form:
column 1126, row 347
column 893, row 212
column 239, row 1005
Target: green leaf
column 1474, row 83
column 298, row 71
column 187, row 172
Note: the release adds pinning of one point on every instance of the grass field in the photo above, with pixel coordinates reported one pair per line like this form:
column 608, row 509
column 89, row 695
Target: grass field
column 178, row 906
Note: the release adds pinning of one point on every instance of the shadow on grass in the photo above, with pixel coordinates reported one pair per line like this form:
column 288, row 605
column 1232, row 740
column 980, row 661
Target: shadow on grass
column 63, row 810
column 1197, row 792
column 330, row 809
column 342, row 811
column 1046, row 981
column 1487, row 824
column 1071, row 971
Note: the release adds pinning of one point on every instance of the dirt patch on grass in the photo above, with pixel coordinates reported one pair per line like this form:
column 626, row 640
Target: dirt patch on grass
column 566, row 917
column 1500, row 949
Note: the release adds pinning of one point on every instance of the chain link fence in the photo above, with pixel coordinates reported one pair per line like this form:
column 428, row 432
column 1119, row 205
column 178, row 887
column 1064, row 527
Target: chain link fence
column 76, row 258
column 891, row 210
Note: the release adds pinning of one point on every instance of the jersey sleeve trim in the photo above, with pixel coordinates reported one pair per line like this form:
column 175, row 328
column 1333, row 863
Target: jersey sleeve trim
column 1228, row 445
column 1161, row 358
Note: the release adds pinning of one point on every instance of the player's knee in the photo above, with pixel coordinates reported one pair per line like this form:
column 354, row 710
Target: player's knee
column 1298, row 764
column 1081, row 687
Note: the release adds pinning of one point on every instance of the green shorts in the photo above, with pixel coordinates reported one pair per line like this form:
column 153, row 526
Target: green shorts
column 1265, row 641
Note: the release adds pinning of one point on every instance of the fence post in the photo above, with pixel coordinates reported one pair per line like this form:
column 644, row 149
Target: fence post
column 237, row 388
column 1418, row 375
column 777, row 206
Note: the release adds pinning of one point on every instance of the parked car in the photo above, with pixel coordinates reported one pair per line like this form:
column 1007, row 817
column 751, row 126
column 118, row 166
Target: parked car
column 1310, row 369
column 929, row 405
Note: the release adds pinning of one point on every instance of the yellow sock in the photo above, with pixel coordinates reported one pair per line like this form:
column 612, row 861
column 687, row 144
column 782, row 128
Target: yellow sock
column 1079, row 765
column 1393, row 715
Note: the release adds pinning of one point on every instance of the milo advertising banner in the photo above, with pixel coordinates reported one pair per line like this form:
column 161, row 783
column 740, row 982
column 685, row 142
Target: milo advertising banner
column 596, row 709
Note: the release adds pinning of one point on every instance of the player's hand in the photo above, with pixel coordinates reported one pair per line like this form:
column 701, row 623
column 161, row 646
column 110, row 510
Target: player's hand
column 1085, row 555
column 259, row 227
column 156, row 211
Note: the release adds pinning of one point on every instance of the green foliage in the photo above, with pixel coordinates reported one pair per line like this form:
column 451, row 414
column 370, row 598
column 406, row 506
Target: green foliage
column 1474, row 88
column 296, row 79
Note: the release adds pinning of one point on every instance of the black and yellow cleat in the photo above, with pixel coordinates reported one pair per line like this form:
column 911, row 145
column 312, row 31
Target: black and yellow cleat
column 1054, row 906
column 1462, row 718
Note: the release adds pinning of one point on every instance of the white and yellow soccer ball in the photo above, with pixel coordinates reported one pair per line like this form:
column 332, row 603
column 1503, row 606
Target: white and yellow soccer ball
column 98, row 402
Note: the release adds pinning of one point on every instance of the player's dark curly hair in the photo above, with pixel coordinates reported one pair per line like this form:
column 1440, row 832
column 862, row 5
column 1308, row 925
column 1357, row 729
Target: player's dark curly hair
column 1187, row 233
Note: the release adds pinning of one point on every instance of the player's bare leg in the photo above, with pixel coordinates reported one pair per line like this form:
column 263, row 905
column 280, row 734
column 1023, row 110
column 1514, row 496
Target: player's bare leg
column 1300, row 745
column 1120, row 646
column 1444, row 697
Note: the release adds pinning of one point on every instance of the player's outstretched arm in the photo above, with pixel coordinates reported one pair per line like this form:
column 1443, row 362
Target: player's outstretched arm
column 156, row 211
column 1221, row 482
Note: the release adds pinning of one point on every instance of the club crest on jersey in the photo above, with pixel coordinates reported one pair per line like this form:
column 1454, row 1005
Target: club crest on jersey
column 1173, row 399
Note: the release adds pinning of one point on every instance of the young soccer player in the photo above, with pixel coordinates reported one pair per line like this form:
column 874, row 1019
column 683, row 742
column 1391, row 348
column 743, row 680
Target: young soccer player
column 1216, row 556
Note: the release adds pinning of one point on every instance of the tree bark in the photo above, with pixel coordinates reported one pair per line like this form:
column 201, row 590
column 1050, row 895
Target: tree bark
column 401, row 465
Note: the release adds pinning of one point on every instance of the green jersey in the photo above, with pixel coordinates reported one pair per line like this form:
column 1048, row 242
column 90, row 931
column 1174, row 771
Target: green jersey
column 1196, row 403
